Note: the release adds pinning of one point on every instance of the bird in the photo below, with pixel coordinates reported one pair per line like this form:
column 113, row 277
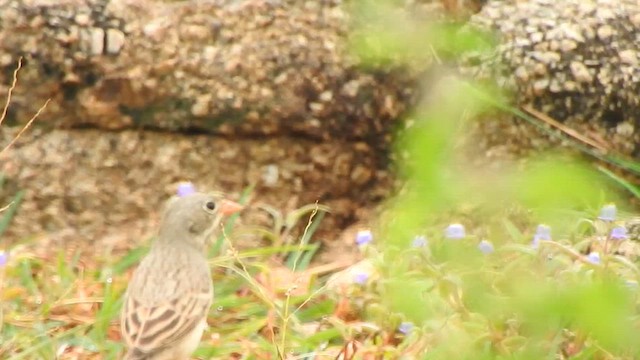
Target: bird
column 166, row 304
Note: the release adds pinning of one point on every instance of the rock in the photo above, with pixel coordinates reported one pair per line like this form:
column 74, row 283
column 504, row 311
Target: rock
column 246, row 68
column 233, row 93
column 88, row 185
column 573, row 60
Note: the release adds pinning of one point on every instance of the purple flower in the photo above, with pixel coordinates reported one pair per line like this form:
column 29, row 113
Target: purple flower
column 4, row 258
column 455, row 232
column 185, row 188
column 419, row 241
column 486, row 247
column 360, row 278
column 543, row 232
column 594, row 258
column 619, row 233
column 608, row 212
column 535, row 243
column 405, row 327
column 364, row 237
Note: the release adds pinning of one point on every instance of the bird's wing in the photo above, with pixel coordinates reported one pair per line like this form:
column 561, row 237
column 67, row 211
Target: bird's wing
column 148, row 329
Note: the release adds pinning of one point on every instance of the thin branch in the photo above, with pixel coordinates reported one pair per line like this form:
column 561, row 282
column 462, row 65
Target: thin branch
column 287, row 303
column 13, row 86
column 33, row 118
column 6, row 207
column 567, row 130
column 304, row 235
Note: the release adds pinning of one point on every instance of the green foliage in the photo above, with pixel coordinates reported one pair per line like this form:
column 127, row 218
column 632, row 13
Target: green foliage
column 519, row 301
column 52, row 307
column 66, row 305
column 284, row 225
column 386, row 34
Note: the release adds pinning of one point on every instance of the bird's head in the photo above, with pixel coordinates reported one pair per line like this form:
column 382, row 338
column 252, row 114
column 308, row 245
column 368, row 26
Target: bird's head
column 194, row 217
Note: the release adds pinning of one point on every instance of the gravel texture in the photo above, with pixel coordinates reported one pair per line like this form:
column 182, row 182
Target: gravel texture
column 225, row 67
column 574, row 60
column 97, row 186
column 223, row 93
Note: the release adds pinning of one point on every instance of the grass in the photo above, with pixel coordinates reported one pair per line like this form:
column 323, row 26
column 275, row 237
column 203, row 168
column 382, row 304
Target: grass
column 73, row 302
column 573, row 294
column 444, row 300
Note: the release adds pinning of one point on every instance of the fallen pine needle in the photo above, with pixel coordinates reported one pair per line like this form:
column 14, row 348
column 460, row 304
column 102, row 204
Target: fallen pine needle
column 567, row 130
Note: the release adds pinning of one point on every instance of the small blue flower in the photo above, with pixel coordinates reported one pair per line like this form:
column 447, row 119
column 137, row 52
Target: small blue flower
column 455, row 232
column 405, row 327
column 419, row 241
column 4, row 258
column 185, row 188
column 594, row 258
column 608, row 213
column 486, row 247
column 364, row 237
column 543, row 232
column 360, row 278
column 535, row 243
column 619, row 233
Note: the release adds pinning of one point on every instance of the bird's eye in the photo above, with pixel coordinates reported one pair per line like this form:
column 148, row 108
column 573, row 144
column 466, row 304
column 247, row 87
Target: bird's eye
column 210, row 205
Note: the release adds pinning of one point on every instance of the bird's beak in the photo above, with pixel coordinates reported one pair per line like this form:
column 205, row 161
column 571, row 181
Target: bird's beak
column 228, row 207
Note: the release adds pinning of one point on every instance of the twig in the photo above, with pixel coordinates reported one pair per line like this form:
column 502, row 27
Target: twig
column 33, row 118
column 257, row 288
column 13, row 86
column 78, row 301
column 287, row 303
column 304, row 235
column 567, row 130
column 6, row 207
column 245, row 273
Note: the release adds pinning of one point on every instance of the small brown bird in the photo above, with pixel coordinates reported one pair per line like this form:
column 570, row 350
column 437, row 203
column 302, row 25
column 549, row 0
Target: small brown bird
column 166, row 305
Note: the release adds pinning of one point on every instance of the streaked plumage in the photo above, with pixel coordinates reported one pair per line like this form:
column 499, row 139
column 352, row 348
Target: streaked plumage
column 166, row 305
